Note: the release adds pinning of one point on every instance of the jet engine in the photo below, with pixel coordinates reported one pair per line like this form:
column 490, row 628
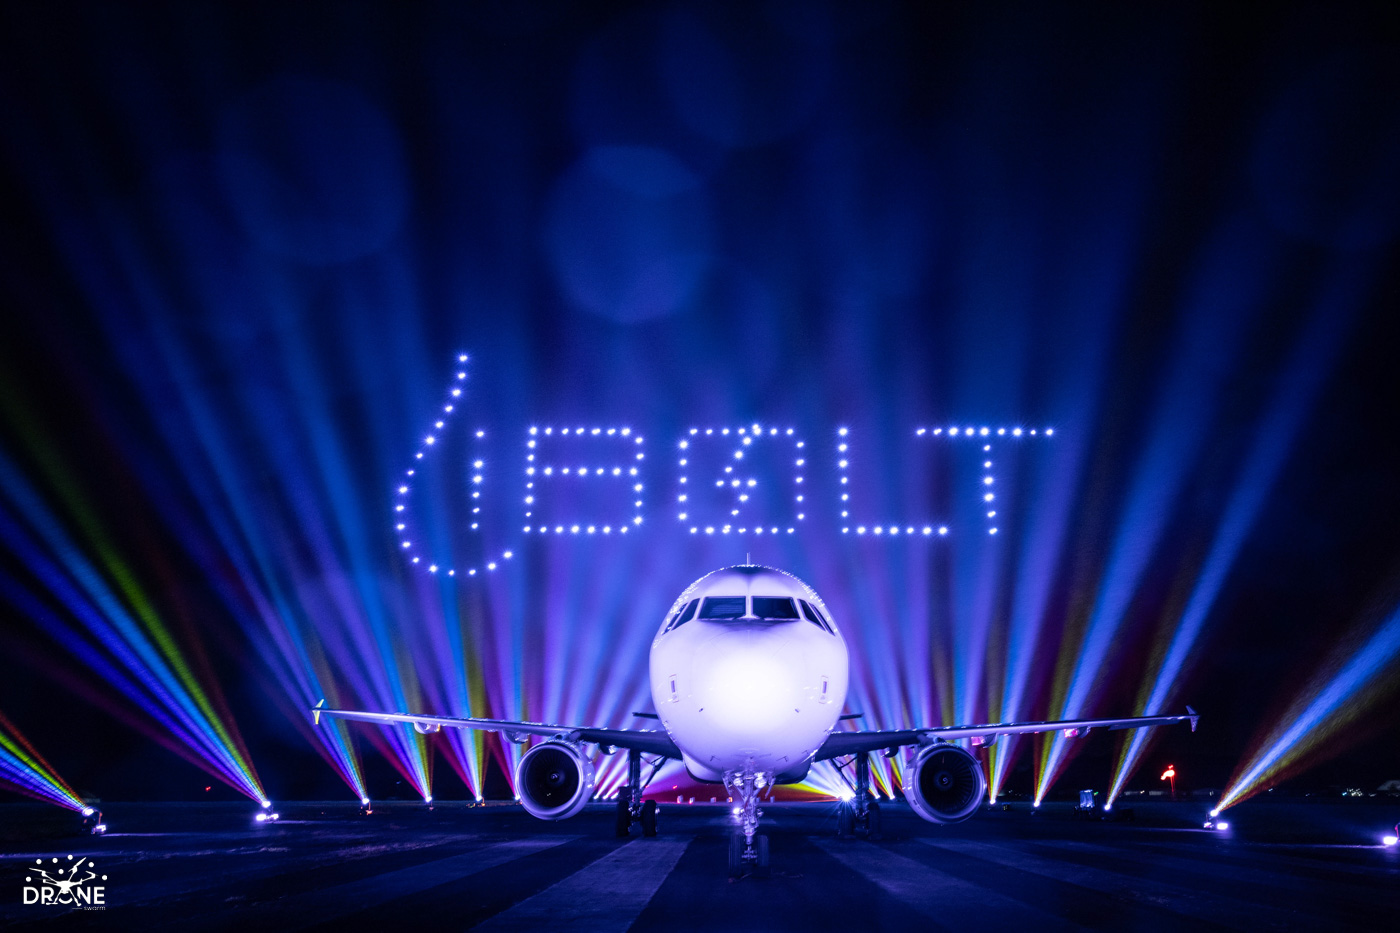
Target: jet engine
column 946, row 785
column 427, row 728
column 554, row 780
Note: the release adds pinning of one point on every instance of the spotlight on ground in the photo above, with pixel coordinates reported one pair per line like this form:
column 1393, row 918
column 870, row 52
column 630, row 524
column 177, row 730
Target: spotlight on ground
column 1218, row 825
column 92, row 821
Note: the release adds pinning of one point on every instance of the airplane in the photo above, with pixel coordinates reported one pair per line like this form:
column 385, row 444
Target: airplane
column 749, row 674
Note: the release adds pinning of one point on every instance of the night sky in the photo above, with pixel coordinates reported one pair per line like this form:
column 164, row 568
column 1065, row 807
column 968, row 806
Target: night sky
column 245, row 247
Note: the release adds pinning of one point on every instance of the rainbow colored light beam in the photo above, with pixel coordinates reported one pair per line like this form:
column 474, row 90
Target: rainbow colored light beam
column 1329, row 703
column 127, row 628
column 1235, row 274
column 1302, row 378
column 26, row 770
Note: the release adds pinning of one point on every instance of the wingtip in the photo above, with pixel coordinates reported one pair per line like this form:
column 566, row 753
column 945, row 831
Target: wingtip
column 1195, row 717
column 316, row 712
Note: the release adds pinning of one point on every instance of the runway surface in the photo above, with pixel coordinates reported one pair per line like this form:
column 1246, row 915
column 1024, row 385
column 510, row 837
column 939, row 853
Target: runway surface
column 209, row 867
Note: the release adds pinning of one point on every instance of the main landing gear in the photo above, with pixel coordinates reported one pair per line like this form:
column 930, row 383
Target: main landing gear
column 630, row 806
column 747, row 848
column 860, row 815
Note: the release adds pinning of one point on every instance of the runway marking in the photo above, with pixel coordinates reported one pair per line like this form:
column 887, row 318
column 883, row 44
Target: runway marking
column 1145, row 891
column 1298, row 861
column 608, row 895
column 1314, row 914
column 342, row 900
column 949, row 900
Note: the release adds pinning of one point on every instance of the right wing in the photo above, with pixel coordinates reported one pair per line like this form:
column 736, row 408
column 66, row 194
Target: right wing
column 838, row 744
column 652, row 743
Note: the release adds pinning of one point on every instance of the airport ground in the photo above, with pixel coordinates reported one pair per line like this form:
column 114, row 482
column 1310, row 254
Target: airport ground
column 1282, row 865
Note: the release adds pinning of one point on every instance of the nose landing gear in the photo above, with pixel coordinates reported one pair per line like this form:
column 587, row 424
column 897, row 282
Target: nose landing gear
column 746, row 846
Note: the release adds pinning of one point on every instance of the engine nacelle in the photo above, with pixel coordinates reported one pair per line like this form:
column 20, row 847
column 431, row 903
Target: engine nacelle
column 427, row 728
column 946, row 784
column 554, row 780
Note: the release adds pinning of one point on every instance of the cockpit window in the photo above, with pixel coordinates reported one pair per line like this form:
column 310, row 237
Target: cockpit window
column 686, row 612
column 774, row 607
column 723, row 607
column 815, row 617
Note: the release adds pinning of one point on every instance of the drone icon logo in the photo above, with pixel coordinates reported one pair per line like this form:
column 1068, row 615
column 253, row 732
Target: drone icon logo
column 68, row 885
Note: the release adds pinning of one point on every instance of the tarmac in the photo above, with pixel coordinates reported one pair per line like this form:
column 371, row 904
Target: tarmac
column 1285, row 865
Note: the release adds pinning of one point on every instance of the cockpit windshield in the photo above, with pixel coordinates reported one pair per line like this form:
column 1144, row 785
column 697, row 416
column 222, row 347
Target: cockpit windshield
column 723, row 607
column 774, row 607
column 682, row 616
column 816, row 617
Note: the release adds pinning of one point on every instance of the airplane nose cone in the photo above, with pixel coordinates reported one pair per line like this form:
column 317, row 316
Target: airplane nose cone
column 751, row 683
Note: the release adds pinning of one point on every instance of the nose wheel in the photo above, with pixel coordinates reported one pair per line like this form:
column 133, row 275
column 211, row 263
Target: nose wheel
column 752, row 857
column 747, row 848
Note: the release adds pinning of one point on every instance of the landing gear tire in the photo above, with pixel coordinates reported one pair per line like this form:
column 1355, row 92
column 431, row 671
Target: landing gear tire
column 736, row 855
column 649, row 818
column 763, row 868
column 872, row 822
column 624, row 817
column 846, row 822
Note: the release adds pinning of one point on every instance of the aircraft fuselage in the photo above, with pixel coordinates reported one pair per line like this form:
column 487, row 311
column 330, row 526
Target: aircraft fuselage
column 749, row 674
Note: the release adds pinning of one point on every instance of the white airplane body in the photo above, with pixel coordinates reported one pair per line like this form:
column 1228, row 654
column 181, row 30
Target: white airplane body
column 747, row 671
column 749, row 675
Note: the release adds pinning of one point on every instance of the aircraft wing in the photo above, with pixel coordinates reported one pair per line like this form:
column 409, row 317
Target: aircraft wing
column 838, row 744
column 652, row 743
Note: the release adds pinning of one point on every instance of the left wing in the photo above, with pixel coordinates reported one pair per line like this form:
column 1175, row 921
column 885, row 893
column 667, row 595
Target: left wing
column 652, row 743
column 838, row 744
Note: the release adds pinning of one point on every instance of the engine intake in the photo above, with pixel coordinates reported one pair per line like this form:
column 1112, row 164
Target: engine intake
column 554, row 780
column 947, row 785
